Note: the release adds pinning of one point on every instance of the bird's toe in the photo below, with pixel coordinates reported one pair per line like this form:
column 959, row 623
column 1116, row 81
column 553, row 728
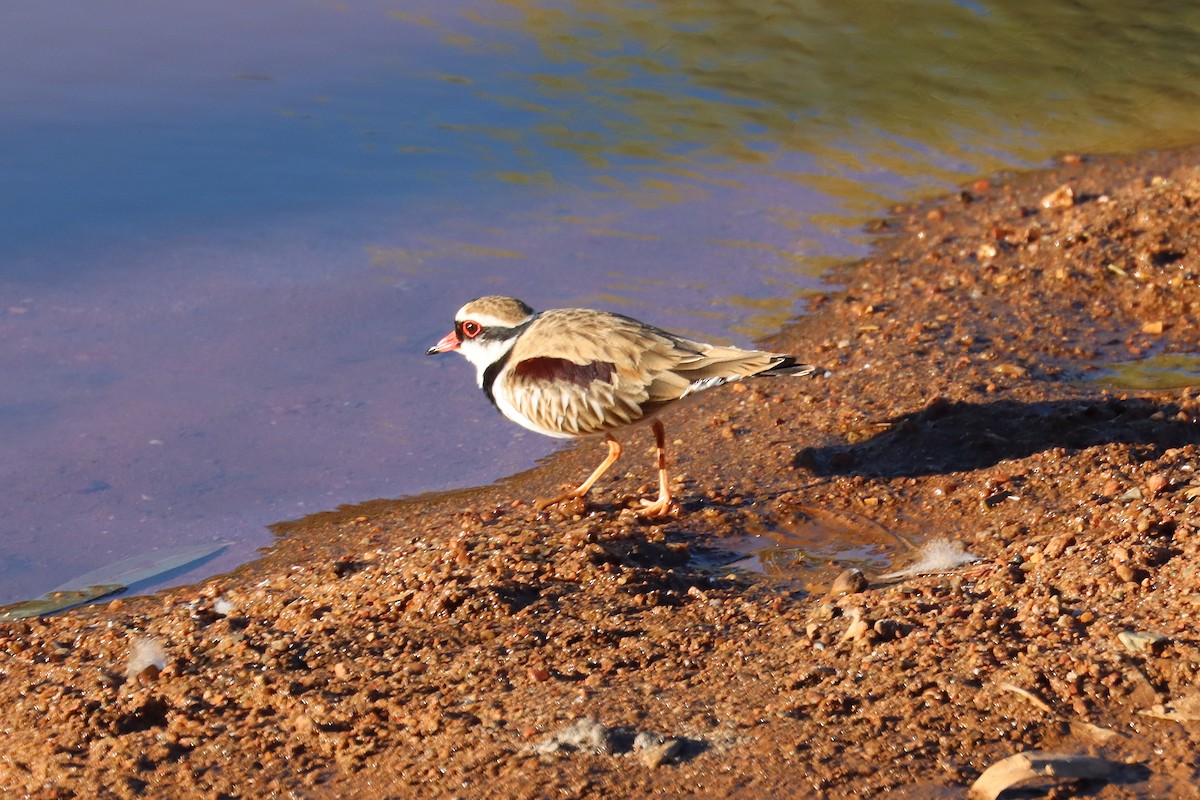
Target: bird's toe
column 567, row 503
column 651, row 509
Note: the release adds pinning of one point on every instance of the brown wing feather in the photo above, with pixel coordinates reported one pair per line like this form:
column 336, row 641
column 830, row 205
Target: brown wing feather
column 545, row 368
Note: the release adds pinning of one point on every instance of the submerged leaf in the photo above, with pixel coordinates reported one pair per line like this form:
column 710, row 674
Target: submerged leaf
column 109, row 579
column 139, row 569
column 53, row 602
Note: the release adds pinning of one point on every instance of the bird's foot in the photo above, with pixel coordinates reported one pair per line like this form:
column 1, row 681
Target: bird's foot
column 569, row 503
column 662, row 507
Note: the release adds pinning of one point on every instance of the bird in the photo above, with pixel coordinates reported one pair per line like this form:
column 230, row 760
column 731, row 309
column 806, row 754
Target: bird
column 577, row 372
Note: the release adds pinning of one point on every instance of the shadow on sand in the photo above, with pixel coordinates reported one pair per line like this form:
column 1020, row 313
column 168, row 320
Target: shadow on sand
column 949, row 437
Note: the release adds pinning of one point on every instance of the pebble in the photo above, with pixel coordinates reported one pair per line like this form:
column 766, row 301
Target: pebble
column 851, row 581
column 1156, row 484
column 887, row 629
column 1062, row 197
column 858, row 629
column 1142, row 642
column 585, row 734
column 654, row 749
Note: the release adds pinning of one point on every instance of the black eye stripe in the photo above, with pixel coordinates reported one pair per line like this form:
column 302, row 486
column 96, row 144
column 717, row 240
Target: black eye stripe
column 492, row 333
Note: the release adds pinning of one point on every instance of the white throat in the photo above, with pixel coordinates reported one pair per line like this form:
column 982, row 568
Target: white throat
column 485, row 353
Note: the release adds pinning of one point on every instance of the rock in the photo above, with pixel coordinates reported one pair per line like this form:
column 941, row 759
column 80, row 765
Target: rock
column 851, row 581
column 1142, row 642
column 585, row 734
column 886, row 629
column 823, row 612
column 1156, row 483
column 1062, row 197
column 654, row 749
column 859, row 628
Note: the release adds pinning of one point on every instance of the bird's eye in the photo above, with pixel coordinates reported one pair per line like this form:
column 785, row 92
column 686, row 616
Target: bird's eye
column 471, row 329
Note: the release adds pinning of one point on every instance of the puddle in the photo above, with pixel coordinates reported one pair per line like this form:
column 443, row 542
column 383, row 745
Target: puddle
column 1166, row 371
column 807, row 547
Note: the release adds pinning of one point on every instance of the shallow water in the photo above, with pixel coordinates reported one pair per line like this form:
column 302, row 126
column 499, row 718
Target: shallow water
column 227, row 234
column 1153, row 373
column 806, row 548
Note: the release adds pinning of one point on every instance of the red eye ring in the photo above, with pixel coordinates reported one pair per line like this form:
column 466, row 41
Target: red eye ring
column 471, row 329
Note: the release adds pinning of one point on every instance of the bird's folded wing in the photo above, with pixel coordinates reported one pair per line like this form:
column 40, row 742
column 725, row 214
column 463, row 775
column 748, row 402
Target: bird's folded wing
column 561, row 395
column 587, row 371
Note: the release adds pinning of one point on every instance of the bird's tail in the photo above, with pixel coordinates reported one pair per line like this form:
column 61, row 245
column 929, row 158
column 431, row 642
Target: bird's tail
column 789, row 365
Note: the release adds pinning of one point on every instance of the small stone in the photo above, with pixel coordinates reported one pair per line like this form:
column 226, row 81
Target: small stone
column 1055, row 547
column 149, row 674
column 887, row 629
column 654, row 749
column 823, row 612
column 851, row 581
column 1062, row 197
column 1142, row 642
column 859, row 628
column 585, row 734
column 1156, row 483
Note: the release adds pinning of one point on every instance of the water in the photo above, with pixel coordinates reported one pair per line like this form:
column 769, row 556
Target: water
column 1153, row 373
column 227, row 233
column 806, row 548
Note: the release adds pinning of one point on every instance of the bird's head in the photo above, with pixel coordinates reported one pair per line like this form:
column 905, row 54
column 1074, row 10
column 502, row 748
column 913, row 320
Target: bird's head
column 484, row 329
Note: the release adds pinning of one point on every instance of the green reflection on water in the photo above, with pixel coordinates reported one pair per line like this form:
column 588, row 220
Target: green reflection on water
column 1166, row 371
column 986, row 81
column 860, row 103
column 930, row 91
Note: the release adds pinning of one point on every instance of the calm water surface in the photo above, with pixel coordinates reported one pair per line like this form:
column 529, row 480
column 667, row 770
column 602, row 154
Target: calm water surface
column 228, row 232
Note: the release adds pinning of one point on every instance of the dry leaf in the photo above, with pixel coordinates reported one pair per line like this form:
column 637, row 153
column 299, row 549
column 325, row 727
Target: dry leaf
column 1032, row 764
column 1184, row 710
column 1028, row 695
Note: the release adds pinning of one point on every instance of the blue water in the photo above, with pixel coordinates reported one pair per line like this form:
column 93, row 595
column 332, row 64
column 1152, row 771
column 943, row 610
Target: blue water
column 228, row 232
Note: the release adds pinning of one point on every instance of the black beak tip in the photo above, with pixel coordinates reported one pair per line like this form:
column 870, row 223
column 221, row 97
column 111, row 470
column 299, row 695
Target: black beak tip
column 433, row 351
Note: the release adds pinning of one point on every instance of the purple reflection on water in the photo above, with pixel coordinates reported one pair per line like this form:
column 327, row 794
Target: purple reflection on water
column 213, row 310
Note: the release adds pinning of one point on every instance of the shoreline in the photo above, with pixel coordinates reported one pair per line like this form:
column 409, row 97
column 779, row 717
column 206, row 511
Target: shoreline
column 458, row 645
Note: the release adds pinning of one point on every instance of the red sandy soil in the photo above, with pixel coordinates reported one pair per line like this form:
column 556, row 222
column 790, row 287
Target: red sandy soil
column 465, row 645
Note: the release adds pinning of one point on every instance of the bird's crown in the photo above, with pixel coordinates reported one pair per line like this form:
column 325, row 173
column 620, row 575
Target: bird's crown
column 495, row 311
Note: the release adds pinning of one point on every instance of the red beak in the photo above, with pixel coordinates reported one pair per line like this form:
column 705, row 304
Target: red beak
column 447, row 343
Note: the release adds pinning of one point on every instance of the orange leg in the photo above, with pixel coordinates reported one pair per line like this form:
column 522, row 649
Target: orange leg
column 614, row 452
column 661, row 506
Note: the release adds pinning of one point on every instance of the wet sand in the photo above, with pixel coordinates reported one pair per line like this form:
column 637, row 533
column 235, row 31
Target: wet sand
column 465, row 645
